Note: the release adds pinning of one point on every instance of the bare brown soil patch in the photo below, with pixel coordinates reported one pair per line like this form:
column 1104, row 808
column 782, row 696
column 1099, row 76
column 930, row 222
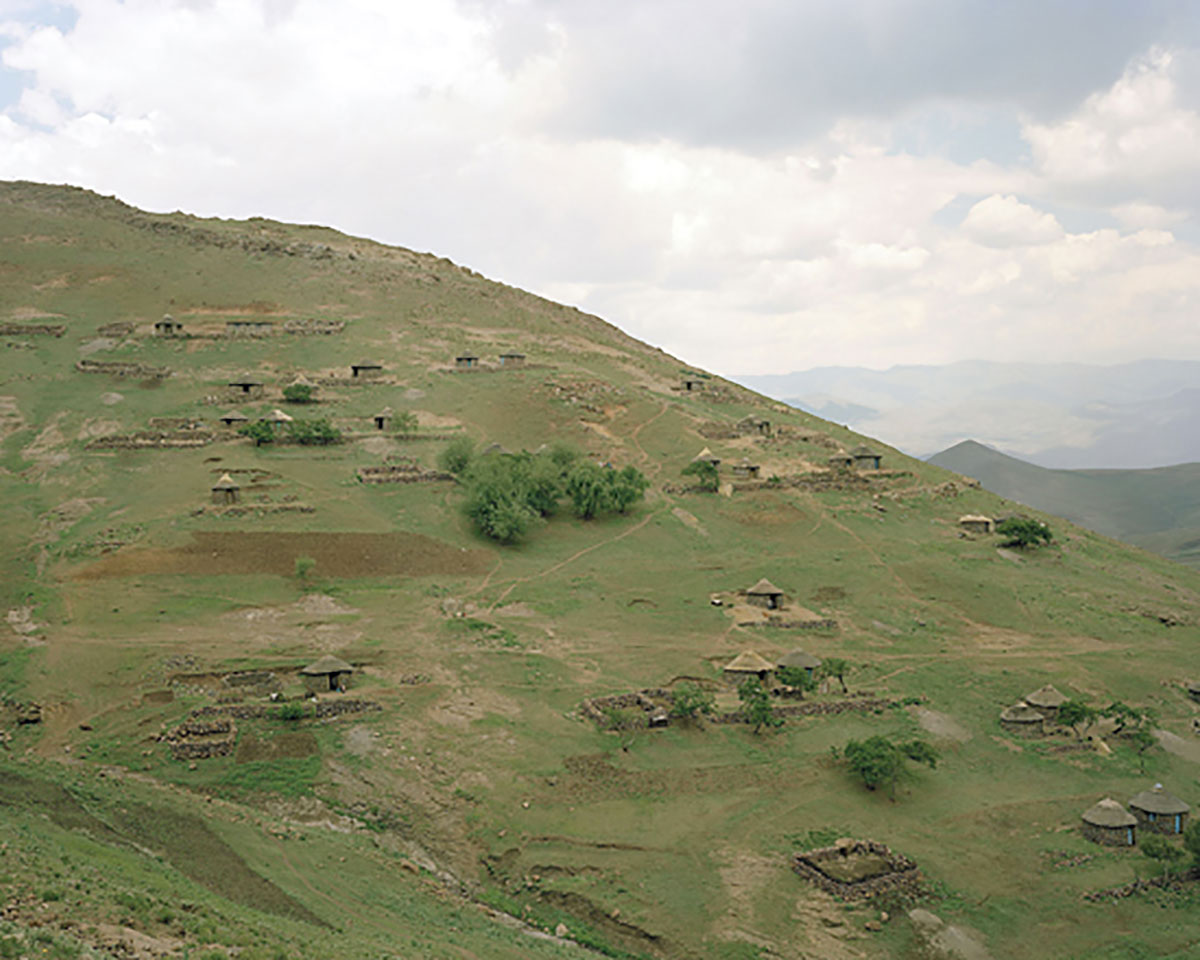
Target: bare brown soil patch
column 214, row 553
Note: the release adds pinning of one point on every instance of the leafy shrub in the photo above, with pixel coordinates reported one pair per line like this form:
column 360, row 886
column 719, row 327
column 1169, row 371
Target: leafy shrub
column 705, row 473
column 690, row 700
column 319, row 432
column 298, row 393
column 1024, row 532
column 260, row 431
column 457, row 456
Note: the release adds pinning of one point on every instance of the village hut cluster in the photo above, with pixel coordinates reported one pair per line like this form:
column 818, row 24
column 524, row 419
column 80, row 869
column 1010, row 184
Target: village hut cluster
column 751, row 665
column 1028, row 717
column 1153, row 811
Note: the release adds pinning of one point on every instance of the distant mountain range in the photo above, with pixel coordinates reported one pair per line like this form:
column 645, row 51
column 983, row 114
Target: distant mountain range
column 1157, row 509
column 1062, row 415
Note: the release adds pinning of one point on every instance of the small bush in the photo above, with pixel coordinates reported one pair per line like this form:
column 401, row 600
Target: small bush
column 319, row 432
column 298, row 393
column 291, row 712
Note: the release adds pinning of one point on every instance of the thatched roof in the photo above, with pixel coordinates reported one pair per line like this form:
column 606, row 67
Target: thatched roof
column 747, row 463
column 300, row 380
column 748, row 662
column 226, row 483
column 798, row 658
column 233, row 415
column 513, row 353
column 385, row 412
column 467, row 356
column 245, row 381
column 862, row 450
column 840, row 458
column 494, row 450
column 1047, row 696
column 326, row 665
column 706, row 456
column 1157, row 800
column 278, row 416
column 974, row 518
column 764, row 588
column 1109, row 813
column 368, row 363
column 1022, row 713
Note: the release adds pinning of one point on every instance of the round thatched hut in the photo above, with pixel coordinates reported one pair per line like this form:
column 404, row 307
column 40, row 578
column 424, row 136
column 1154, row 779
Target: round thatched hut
column 1193, row 689
column 801, row 660
column 1110, row 823
column 1159, row 811
column 746, row 470
column 1047, row 700
column 841, row 461
column 234, row 418
column 865, row 458
column 226, row 491
column 765, row 594
column 328, row 673
column 976, row 523
column 1023, row 720
column 383, row 419
column 746, row 665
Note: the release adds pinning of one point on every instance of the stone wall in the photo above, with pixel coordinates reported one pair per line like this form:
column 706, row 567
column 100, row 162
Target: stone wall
column 401, row 473
column 32, row 329
column 902, row 877
column 123, row 368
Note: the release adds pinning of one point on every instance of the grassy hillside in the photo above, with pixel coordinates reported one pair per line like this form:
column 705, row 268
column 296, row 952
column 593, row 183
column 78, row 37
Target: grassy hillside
column 1157, row 509
column 472, row 810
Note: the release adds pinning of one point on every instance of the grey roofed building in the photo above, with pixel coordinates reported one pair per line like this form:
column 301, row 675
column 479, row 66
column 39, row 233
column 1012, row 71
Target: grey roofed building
column 1159, row 811
column 865, row 457
column 801, row 659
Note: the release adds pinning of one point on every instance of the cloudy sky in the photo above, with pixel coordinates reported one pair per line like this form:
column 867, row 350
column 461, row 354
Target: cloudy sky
column 758, row 186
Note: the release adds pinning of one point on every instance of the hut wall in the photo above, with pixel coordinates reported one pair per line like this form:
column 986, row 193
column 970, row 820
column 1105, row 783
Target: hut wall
column 977, row 526
column 1026, row 729
column 768, row 602
column 224, row 497
column 1169, row 823
column 738, row 677
column 383, row 423
column 1110, row 836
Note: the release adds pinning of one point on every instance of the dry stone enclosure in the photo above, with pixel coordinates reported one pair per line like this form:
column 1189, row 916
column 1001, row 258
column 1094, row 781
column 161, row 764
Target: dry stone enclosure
column 858, row 869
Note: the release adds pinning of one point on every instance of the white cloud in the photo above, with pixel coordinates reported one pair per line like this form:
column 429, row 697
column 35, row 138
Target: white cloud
column 1135, row 142
column 1006, row 222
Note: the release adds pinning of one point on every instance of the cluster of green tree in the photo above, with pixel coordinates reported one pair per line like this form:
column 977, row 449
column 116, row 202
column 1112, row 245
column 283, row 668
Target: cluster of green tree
column 1024, row 532
column 318, row 432
column 881, row 761
column 1134, row 724
column 507, row 493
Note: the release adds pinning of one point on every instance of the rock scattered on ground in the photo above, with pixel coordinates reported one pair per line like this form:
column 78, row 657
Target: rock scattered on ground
column 948, row 941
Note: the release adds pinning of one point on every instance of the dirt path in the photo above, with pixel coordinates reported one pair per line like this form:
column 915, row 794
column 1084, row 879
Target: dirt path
column 572, row 558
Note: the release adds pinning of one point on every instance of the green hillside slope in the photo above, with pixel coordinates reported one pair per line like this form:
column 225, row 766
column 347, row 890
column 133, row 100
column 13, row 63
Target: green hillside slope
column 1156, row 509
column 167, row 777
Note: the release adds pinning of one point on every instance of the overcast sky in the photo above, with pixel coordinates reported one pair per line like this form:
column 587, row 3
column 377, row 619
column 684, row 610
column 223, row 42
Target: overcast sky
column 758, row 186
